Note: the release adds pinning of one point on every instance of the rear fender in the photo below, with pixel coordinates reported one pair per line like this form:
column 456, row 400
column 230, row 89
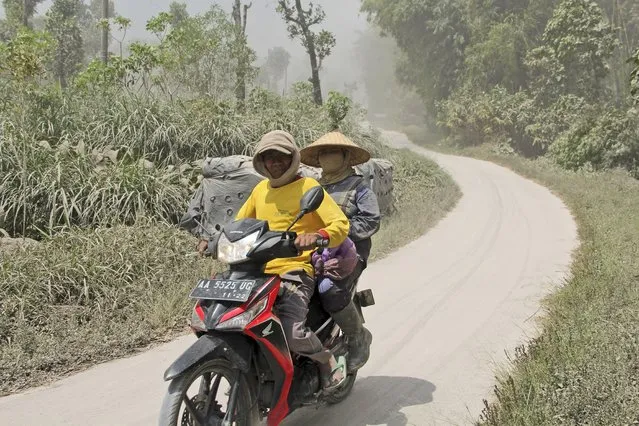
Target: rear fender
column 234, row 347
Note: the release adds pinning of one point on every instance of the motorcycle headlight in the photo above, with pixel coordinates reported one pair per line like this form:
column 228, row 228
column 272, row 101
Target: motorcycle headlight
column 241, row 321
column 236, row 252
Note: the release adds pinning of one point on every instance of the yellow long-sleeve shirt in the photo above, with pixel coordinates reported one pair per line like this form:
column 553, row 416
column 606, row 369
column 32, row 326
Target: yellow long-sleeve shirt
column 279, row 206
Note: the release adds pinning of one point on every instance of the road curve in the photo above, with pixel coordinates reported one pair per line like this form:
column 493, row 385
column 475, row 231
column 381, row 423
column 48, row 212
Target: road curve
column 469, row 289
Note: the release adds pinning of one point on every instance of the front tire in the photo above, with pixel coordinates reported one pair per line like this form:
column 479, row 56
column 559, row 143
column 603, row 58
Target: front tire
column 175, row 413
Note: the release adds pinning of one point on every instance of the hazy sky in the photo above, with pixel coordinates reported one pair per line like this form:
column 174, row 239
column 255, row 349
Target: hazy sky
column 266, row 29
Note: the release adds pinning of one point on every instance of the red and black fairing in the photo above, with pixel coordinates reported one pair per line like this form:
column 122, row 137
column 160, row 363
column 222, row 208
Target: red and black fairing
column 260, row 350
column 270, row 355
column 272, row 358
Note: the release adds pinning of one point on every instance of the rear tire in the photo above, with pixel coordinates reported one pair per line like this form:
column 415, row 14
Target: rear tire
column 247, row 406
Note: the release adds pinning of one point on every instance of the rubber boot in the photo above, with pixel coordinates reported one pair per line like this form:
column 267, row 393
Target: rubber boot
column 359, row 338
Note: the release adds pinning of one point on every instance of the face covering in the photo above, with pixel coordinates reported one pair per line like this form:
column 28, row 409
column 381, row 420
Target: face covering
column 335, row 166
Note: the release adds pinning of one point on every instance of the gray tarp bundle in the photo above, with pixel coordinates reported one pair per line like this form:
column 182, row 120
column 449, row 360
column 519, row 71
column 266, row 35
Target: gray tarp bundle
column 228, row 181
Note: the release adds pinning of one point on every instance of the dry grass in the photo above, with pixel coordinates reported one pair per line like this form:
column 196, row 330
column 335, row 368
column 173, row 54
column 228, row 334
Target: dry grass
column 88, row 296
column 584, row 368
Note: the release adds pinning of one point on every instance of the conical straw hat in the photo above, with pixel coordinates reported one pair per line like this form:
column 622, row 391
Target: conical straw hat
column 309, row 154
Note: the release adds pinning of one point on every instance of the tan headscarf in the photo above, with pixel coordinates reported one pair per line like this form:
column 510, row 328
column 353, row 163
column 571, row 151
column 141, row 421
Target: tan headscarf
column 337, row 168
column 284, row 142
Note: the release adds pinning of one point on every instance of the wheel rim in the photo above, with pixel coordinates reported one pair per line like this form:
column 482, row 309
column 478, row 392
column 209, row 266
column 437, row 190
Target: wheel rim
column 206, row 398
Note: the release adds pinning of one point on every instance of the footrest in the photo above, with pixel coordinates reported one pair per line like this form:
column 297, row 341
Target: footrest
column 365, row 298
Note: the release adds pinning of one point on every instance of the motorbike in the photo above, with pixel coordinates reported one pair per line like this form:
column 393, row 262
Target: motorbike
column 240, row 370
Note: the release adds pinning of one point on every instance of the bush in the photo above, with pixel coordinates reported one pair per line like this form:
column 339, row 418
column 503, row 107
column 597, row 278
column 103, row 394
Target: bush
column 515, row 119
column 497, row 117
column 600, row 140
column 89, row 295
column 471, row 118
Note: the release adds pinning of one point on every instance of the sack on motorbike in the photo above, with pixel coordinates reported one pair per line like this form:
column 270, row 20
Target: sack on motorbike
column 378, row 173
column 228, row 181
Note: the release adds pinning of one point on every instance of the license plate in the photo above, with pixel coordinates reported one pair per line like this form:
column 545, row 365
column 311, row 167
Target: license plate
column 228, row 290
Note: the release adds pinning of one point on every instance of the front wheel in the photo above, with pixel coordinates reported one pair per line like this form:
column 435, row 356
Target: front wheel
column 197, row 397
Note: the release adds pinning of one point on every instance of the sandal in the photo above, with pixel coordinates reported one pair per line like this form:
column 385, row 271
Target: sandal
column 329, row 382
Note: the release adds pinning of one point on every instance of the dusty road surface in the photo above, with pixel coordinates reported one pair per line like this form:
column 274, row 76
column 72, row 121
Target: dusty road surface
column 448, row 305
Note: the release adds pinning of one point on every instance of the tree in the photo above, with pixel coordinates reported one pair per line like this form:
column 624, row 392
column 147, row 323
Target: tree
column 276, row 66
column 197, row 54
column 634, row 76
column 376, row 56
column 432, row 36
column 24, row 58
column 179, row 13
column 242, row 51
column 62, row 24
column 17, row 13
column 573, row 58
column 318, row 45
column 89, row 17
column 20, row 11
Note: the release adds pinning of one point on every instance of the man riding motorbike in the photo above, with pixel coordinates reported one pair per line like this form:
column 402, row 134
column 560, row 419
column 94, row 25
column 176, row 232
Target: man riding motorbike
column 276, row 200
column 336, row 155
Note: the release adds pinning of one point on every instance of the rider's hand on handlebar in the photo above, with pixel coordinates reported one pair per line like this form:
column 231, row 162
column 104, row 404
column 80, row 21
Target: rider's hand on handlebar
column 307, row 241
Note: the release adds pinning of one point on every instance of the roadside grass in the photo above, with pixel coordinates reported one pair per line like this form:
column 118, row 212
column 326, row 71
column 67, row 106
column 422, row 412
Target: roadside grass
column 584, row 367
column 86, row 296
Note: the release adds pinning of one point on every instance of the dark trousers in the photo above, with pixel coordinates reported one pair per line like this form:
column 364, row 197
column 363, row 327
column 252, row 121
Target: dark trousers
column 292, row 308
column 336, row 295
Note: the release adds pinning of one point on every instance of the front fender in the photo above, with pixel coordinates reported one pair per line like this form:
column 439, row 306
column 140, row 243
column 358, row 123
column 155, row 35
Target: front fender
column 234, row 347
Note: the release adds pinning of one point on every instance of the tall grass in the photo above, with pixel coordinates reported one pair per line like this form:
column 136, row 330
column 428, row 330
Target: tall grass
column 91, row 295
column 112, row 158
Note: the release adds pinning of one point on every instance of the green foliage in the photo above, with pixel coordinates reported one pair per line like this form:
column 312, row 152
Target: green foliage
column 324, row 43
column 26, row 56
column 600, row 140
column 18, row 13
column 338, row 106
column 103, row 157
column 577, row 44
column 62, row 24
column 524, row 75
column 496, row 60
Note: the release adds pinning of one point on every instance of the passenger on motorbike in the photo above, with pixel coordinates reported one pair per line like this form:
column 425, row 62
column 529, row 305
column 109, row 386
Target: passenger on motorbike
column 336, row 155
column 276, row 200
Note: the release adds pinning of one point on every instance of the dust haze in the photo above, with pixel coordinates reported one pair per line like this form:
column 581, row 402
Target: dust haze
column 344, row 70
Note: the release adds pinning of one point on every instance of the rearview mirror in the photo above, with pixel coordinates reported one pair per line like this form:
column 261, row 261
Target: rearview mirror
column 312, row 199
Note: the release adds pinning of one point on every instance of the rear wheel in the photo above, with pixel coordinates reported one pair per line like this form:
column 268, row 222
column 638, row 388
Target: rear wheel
column 201, row 397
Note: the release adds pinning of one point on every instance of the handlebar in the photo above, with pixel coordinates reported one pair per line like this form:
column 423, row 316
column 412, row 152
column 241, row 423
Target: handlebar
column 321, row 242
